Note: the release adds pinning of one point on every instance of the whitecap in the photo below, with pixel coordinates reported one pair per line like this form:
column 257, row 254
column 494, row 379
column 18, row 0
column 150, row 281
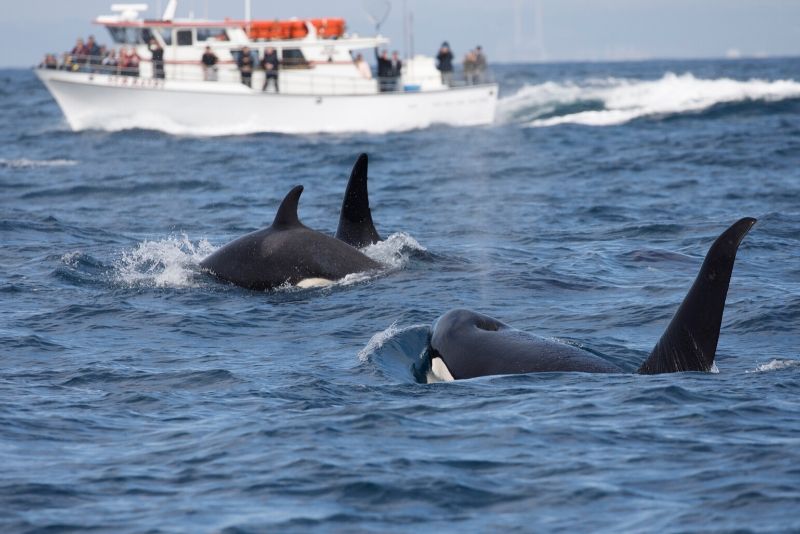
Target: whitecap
column 24, row 163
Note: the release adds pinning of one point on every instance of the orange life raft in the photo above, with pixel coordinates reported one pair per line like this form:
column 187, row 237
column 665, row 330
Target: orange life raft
column 295, row 29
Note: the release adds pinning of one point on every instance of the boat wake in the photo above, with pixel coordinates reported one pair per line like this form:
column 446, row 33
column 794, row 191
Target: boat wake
column 613, row 101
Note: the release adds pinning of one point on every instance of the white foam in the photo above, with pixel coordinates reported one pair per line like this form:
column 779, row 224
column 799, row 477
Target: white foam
column 377, row 341
column 169, row 262
column 33, row 163
column 71, row 258
column 776, row 365
column 395, row 251
column 624, row 100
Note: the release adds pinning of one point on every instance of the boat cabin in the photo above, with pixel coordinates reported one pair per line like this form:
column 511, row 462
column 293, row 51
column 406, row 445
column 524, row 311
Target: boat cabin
column 317, row 55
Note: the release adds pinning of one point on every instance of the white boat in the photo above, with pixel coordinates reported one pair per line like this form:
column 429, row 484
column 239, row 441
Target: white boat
column 321, row 87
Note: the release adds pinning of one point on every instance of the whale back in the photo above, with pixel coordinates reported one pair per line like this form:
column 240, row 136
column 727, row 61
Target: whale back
column 472, row 344
column 286, row 252
column 355, row 221
column 690, row 341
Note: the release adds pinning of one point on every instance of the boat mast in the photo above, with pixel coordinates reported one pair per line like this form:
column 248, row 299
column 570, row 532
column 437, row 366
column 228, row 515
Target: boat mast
column 247, row 14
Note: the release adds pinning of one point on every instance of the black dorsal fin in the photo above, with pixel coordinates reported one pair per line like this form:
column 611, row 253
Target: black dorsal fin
column 287, row 212
column 690, row 341
column 355, row 221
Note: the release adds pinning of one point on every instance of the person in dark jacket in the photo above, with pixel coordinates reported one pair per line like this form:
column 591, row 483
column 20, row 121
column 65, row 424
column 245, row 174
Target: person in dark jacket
column 92, row 51
column 270, row 64
column 209, row 61
column 444, row 62
column 395, row 69
column 157, row 57
column 246, row 66
column 385, row 81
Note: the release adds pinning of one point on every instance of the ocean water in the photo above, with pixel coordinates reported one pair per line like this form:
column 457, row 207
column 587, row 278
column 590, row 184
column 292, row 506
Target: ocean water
column 138, row 394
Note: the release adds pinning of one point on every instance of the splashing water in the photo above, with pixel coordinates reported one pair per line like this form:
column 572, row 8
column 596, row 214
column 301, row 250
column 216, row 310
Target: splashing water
column 395, row 251
column 622, row 100
column 170, row 262
column 775, row 365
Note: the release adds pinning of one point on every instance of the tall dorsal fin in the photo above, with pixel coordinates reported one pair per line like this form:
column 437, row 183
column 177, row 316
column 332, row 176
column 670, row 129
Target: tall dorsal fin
column 287, row 212
column 690, row 341
column 355, row 221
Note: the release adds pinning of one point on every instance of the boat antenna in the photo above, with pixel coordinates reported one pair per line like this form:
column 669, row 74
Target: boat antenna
column 377, row 12
column 247, row 14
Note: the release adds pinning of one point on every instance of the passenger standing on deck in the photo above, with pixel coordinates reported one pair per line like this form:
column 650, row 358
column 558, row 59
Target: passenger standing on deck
column 362, row 67
column 79, row 53
column 246, row 66
column 270, row 64
column 92, row 51
column 50, row 62
column 129, row 62
column 396, row 69
column 469, row 67
column 209, row 61
column 384, row 70
column 480, row 65
column 110, row 63
column 444, row 62
column 157, row 57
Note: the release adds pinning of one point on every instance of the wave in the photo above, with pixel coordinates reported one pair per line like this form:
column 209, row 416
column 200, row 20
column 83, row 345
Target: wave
column 399, row 353
column 613, row 101
column 35, row 163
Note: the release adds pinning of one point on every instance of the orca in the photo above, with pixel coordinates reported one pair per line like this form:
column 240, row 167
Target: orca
column 355, row 220
column 465, row 344
column 287, row 252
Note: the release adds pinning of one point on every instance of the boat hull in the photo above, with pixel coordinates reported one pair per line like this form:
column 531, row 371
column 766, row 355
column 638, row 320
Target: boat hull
column 110, row 102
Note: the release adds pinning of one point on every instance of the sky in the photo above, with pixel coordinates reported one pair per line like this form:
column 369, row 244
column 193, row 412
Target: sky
column 508, row 30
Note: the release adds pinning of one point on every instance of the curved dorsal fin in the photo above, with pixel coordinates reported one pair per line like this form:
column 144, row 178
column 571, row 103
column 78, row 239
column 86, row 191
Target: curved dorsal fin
column 287, row 212
column 690, row 341
column 355, row 221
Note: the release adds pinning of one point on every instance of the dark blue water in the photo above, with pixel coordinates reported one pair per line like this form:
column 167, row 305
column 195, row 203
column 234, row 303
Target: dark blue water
column 137, row 394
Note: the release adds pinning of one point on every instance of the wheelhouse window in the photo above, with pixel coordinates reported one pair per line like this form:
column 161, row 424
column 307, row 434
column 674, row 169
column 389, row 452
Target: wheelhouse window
column 130, row 36
column 166, row 35
column 211, row 34
column 292, row 58
column 184, row 37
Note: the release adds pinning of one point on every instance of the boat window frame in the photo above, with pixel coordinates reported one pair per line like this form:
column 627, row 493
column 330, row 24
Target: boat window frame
column 166, row 35
column 296, row 60
column 184, row 31
column 128, row 35
column 213, row 35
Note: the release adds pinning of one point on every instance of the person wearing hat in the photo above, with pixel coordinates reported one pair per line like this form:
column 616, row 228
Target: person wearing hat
column 444, row 62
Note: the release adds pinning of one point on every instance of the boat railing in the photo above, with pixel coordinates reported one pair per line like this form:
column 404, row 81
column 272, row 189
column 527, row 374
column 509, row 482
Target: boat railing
column 290, row 80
